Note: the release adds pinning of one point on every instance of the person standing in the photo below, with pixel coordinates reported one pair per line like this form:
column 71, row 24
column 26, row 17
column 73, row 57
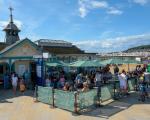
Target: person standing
column 123, row 82
column 26, row 78
column 14, row 80
column 116, row 70
column 6, row 81
column 98, row 80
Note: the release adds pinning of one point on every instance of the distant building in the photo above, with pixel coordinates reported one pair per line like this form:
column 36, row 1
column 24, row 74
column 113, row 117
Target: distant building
column 64, row 50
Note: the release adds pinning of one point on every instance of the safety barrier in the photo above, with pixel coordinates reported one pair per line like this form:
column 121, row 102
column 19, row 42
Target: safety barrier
column 86, row 99
column 64, row 100
column 131, row 84
column 45, row 95
column 71, row 101
column 77, row 101
column 106, row 92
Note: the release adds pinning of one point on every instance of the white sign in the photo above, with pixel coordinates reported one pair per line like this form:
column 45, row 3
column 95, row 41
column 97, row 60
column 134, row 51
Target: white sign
column 37, row 56
column 38, row 71
column 21, row 69
column 138, row 59
column 45, row 55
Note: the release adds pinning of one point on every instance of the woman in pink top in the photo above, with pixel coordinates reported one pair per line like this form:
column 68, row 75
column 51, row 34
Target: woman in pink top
column 62, row 81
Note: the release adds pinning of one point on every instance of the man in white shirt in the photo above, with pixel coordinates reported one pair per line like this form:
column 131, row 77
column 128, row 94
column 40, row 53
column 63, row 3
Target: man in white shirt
column 14, row 79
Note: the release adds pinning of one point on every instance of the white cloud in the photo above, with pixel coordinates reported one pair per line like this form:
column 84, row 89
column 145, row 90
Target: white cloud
column 114, row 11
column 85, row 6
column 83, row 11
column 141, row 2
column 114, row 44
column 4, row 23
column 99, row 4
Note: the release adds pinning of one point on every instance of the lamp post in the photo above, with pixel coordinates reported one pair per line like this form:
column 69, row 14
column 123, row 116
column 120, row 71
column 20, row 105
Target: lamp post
column 42, row 67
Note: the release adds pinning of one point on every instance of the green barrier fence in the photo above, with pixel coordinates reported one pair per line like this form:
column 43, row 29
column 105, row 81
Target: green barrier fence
column 86, row 99
column 131, row 84
column 106, row 92
column 64, row 100
column 45, row 95
column 81, row 100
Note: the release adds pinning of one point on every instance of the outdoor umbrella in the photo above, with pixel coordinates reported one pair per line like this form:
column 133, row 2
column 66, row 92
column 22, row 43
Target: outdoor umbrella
column 56, row 63
column 112, row 61
column 131, row 62
column 85, row 63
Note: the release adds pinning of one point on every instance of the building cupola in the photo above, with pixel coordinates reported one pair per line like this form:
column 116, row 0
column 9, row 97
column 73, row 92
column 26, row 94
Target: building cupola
column 11, row 30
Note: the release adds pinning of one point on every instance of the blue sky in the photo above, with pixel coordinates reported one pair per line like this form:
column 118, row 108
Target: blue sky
column 92, row 25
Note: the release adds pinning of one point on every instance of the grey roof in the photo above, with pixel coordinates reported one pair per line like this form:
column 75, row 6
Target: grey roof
column 11, row 26
column 52, row 41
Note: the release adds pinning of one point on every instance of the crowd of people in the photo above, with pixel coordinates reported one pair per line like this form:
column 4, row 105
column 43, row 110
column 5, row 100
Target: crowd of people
column 83, row 80
column 86, row 80
column 15, row 81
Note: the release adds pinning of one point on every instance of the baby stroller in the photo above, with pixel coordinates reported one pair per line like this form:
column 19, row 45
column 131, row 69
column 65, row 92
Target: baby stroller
column 142, row 90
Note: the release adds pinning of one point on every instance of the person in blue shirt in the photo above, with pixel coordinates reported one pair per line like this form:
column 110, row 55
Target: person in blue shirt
column 26, row 78
column 79, row 81
column 6, row 81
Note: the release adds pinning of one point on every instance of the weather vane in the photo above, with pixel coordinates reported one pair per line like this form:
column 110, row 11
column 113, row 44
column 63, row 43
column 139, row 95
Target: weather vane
column 11, row 17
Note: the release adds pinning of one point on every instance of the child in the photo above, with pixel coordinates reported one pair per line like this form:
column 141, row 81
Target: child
column 22, row 86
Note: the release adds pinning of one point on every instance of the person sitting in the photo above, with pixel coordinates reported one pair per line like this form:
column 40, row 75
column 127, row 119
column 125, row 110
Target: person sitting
column 79, row 81
column 85, row 87
column 66, row 87
column 48, row 82
column 79, row 78
column 88, row 80
column 61, row 82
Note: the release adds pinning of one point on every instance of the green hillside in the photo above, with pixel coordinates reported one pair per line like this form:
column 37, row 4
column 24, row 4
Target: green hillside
column 142, row 48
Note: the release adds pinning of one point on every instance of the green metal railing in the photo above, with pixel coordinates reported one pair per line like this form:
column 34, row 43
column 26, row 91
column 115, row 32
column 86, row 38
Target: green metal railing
column 45, row 95
column 77, row 101
column 106, row 92
column 64, row 100
column 86, row 99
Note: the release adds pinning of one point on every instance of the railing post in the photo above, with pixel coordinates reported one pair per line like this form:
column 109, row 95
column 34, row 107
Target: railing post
column 36, row 94
column 53, row 97
column 76, row 102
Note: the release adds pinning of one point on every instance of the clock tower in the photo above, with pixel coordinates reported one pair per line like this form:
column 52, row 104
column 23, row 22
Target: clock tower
column 11, row 31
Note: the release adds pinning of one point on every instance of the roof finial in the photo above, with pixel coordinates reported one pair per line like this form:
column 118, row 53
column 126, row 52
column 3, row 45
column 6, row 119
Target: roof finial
column 11, row 16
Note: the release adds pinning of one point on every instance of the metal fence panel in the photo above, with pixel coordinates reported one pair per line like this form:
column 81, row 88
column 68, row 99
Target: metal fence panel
column 106, row 92
column 45, row 95
column 64, row 100
column 131, row 84
column 86, row 99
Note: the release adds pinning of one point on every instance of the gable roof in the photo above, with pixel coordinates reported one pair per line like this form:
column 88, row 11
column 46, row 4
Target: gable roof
column 5, row 50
